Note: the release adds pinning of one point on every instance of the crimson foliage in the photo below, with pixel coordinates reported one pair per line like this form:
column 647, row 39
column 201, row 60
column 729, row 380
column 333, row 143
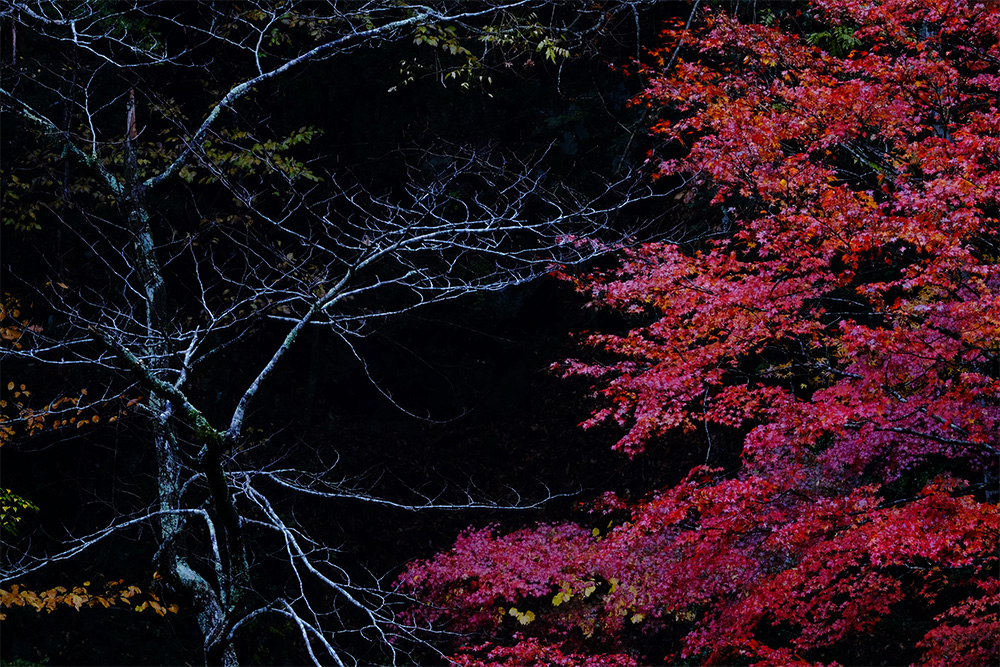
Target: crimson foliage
column 849, row 323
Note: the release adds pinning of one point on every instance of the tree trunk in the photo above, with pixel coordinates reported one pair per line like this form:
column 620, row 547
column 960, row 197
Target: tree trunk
column 215, row 607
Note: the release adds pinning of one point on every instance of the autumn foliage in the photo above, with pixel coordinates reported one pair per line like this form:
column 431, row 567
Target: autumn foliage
column 115, row 593
column 842, row 308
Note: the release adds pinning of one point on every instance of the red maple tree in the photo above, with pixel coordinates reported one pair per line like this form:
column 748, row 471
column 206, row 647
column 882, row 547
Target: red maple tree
column 845, row 314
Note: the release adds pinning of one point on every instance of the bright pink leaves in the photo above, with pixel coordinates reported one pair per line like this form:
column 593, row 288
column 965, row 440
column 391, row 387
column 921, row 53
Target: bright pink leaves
column 533, row 653
column 852, row 318
column 483, row 571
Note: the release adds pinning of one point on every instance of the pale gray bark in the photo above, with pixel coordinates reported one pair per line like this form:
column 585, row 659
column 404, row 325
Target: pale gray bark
column 356, row 242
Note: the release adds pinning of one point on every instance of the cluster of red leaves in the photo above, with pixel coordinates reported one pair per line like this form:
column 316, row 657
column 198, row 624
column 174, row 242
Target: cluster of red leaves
column 533, row 653
column 851, row 321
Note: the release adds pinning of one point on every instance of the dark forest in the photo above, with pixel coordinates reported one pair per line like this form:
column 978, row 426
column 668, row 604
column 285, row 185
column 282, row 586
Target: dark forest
column 500, row 333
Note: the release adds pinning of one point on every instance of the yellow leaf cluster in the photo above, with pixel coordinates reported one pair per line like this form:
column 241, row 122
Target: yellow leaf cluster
column 523, row 617
column 49, row 600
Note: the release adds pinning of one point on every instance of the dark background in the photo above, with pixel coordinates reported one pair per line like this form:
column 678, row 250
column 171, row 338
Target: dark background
column 499, row 422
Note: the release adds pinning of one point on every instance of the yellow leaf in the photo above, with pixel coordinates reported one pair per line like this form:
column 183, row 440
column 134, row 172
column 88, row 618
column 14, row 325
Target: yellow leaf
column 523, row 619
column 10, row 386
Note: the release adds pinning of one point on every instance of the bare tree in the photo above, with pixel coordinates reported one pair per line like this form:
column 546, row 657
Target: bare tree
column 207, row 235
